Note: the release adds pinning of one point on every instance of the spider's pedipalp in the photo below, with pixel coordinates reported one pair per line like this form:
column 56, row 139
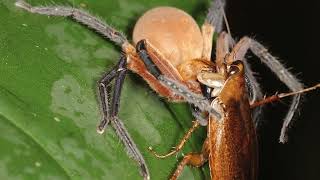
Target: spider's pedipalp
column 144, row 56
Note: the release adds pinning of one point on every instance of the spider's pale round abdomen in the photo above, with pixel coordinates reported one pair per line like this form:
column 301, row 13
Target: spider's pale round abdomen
column 172, row 31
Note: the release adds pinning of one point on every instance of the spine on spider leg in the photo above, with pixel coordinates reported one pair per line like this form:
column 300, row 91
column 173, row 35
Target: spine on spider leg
column 78, row 15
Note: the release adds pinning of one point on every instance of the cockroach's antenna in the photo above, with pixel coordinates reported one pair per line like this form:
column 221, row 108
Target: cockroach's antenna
column 279, row 96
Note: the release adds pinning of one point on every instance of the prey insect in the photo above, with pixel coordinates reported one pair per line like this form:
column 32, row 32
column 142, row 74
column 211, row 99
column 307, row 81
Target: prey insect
column 173, row 55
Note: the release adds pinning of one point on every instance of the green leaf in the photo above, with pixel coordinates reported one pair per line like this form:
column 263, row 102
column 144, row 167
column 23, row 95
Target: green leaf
column 49, row 107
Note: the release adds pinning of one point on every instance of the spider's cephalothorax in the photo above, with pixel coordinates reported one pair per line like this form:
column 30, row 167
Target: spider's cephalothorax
column 173, row 55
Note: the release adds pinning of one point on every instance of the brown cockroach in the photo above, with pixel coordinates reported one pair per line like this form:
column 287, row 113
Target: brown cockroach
column 231, row 145
column 173, row 56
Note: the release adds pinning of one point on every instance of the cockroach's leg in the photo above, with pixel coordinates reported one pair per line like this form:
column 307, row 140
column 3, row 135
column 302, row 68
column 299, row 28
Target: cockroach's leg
column 276, row 67
column 181, row 143
column 193, row 159
column 110, row 112
column 79, row 16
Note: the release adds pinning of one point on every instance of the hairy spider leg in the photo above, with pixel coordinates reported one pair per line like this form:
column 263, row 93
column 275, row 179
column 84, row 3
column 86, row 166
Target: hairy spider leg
column 85, row 18
column 215, row 14
column 223, row 45
column 109, row 113
column 177, row 87
column 118, row 72
column 213, row 23
column 276, row 67
column 78, row 15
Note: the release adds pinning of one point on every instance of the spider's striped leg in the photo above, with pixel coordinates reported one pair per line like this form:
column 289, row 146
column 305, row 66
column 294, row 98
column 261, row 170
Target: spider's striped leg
column 78, row 15
column 110, row 108
column 213, row 23
column 276, row 67
column 176, row 86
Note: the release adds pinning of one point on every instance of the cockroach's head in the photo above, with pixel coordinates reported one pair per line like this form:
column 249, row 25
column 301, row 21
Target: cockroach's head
column 213, row 82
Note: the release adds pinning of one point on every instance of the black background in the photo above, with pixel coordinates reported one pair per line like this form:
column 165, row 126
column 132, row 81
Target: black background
column 290, row 31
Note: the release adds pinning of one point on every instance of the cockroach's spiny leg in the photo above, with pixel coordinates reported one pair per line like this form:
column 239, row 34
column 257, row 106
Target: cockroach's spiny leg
column 181, row 143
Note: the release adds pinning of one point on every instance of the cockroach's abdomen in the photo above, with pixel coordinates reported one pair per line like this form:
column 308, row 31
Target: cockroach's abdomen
column 172, row 31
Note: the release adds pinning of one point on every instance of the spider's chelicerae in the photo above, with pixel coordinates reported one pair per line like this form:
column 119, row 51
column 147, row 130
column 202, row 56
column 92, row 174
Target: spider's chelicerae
column 172, row 54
